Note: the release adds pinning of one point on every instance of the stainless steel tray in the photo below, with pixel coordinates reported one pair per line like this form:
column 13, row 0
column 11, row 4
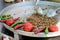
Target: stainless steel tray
column 8, row 9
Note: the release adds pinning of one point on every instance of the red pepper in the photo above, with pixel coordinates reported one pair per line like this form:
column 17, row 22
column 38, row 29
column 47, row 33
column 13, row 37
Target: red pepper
column 39, row 30
column 18, row 26
column 10, row 21
column 17, row 18
column 3, row 21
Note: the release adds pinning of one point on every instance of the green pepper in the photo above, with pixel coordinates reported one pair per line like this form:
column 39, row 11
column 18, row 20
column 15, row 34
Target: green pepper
column 46, row 30
column 17, row 22
column 8, row 17
column 1, row 18
column 4, row 17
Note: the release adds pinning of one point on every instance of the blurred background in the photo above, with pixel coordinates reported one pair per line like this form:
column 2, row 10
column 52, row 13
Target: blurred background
column 4, row 3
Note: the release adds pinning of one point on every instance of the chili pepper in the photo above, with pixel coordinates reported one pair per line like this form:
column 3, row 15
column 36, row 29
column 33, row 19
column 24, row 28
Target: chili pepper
column 46, row 30
column 18, row 26
column 3, row 21
column 39, row 30
column 28, row 27
column 17, row 18
column 7, row 17
column 10, row 21
column 1, row 18
column 17, row 22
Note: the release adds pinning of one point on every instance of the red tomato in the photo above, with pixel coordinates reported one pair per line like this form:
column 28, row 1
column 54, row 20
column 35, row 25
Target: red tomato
column 9, row 21
column 28, row 27
column 53, row 28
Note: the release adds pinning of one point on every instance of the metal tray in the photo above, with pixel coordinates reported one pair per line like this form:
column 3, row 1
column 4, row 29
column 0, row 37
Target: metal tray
column 9, row 10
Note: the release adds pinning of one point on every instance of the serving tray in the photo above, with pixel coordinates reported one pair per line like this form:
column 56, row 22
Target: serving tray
column 21, row 12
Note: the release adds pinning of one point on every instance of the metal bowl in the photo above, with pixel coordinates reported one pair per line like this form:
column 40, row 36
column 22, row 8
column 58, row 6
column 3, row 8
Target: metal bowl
column 23, row 14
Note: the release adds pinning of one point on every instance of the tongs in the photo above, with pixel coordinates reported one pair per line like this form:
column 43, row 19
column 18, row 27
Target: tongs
column 49, row 13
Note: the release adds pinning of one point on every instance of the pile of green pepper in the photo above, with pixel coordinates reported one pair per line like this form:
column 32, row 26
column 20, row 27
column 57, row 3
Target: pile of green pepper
column 5, row 17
